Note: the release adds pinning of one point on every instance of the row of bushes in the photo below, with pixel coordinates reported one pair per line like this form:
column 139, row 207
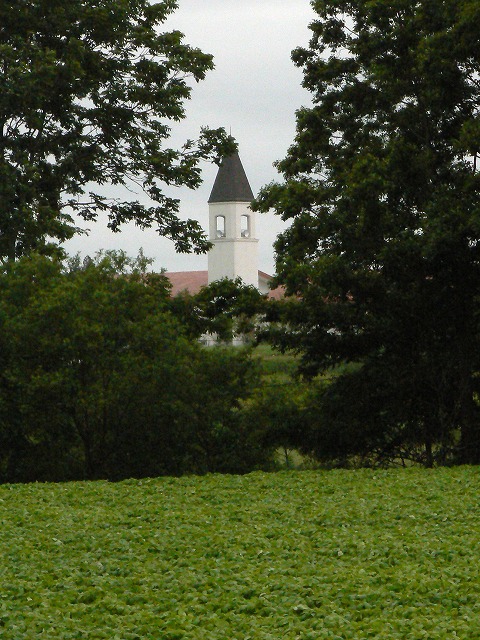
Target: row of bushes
column 102, row 375
column 100, row 379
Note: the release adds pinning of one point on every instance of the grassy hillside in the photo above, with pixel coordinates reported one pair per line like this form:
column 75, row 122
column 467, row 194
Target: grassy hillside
column 277, row 367
column 312, row 555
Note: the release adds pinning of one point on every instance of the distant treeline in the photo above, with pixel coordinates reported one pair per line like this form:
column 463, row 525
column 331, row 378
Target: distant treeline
column 103, row 375
column 99, row 378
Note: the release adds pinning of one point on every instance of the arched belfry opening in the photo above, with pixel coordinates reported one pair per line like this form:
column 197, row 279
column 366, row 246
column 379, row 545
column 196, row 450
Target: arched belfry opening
column 220, row 227
column 245, row 226
column 232, row 225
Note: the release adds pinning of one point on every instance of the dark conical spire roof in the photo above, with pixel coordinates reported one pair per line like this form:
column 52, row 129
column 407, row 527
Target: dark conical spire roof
column 231, row 183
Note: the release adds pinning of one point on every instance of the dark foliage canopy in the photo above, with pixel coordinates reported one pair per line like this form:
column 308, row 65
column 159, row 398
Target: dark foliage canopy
column 99, row 379
column 87, row 92
column 382, row 192
column 225, row 308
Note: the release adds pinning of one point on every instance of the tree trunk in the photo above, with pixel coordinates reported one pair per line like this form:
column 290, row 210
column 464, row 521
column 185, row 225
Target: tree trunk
column 470, row 442
column 469, row 424
column 428, row 450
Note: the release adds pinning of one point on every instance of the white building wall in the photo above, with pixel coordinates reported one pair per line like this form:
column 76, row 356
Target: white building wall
column 232, row 256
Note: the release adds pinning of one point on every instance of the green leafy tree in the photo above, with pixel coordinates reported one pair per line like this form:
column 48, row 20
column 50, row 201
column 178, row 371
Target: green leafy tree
column 68, row 340
column 224, row 308
column 382, row 191
column 87, row 92
column 98, row 379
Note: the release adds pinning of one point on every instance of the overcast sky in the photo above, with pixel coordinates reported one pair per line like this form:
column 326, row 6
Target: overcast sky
column 253, row 91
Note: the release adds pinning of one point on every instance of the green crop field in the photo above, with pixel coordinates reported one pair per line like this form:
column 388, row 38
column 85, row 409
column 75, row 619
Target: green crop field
column 299, row 555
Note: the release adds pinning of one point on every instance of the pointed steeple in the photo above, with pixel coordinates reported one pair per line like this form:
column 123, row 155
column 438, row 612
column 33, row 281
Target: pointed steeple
column 234, row 252
column 231, row 183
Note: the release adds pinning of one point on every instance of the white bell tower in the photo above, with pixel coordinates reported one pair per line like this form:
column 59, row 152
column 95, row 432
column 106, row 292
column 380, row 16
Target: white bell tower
column 232, row 226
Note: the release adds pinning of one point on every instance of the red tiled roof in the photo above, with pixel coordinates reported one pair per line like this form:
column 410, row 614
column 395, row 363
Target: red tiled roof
column 274, row 294
column 193, row 281
column 190, row 281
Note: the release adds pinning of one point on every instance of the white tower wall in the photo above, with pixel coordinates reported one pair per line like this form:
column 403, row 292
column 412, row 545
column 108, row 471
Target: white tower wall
column 235, row 255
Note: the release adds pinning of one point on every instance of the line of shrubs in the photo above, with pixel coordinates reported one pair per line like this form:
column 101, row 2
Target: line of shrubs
column 100, row 379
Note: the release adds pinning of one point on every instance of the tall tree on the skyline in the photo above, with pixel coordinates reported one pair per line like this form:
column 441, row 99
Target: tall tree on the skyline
column 87, row 92
column 382, row 192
